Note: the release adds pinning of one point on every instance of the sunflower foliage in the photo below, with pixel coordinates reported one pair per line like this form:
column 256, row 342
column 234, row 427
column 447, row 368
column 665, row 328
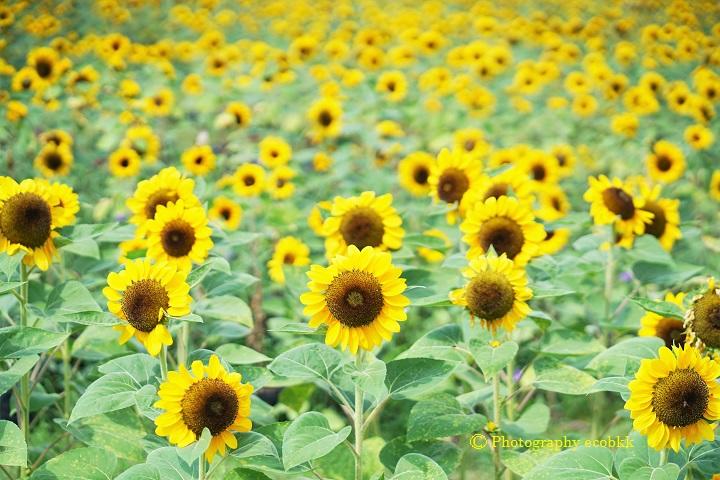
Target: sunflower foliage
column 359, row 240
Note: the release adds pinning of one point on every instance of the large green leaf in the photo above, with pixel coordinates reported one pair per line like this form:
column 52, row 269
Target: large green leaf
column 16, row 342
column 664, row 309
column 441, row 416
column 120, row 433
column 562, row 378
column 141, row 367
column 225, row 308
column 310, row 361
column 88, row 463
column 582, row 463
column 370, row 378
column 570, row 342
column 439, row 343
column 108, row 393
column 309, row 437
column 616, row 358
column 415, row 466
column 490, row 359
column 12, row 375
column 13, row 450
column 408, row 377
column 240, row 354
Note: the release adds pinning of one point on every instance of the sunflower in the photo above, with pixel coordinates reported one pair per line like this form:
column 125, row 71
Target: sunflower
column 554, row 203
column 701, row 320
column 240, row 113
column 143, row 140
column 248, row 180
column 504, row 224
column 325, row 116
column 454, row 174
column 199, row 159
column 67, row 199
column 179, row 234
column 207, row 396
column 54, row 160
column 168, row 185
column 29, row 213
column 542, row 168
column 124, row 162
column 47, row 64
column 566, row 159
column 316, row 218
column 496, row 292
column 666, row 163
column 322, row 162
column 414, row 172
column 279, row 182
column 510, row 183
column 160, row 104
column 362, row 221
column 612, row 202
column 671, row 330
column 228, row 212
column 143, row 295
column 715, row 185
column 274, row 152
column 675, row 397
column 288, row 251
column 393, row 84
column 699, row 137
column 472, row 140
column 57, row 137
column 555, row 240
column 665, row 224
column 359, row 297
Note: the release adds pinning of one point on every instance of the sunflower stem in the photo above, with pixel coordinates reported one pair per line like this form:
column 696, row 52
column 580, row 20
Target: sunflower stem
column 496, row 420
column 183, row 344
column 24, row 404
column 663, row 456
column 201, row 467
column 163, row 363
column 67, row 378
column 358, row 418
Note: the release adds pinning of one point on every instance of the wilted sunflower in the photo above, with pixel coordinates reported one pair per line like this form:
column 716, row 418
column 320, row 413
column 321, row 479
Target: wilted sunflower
column 666, row 163
column 124, row 162
column 274, row 151
column 665, row 224
column 496, row 292
column 359, row 297
column 248, row 180
column 207, row 396
column 675, row 397
column 143, row 295
column 288, row 251
column 504, row 224
column 228, row 212
column 199, row 159
column 414, row 172
column 54, row 160
column 612, row 202
column 453, row 175
column 325, row 116
column 362, row 221
column 703, row 318
column 29, row 213
column 671, row 330
column 179, row 234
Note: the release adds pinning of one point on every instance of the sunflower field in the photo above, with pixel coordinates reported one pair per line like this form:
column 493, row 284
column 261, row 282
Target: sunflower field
column 359, row 240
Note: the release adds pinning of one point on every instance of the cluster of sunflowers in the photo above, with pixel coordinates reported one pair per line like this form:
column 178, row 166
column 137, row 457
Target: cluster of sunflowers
column 384, row 151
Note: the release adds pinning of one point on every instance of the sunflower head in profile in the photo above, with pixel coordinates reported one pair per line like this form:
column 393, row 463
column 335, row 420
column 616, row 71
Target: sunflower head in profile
column 143, row 295
column 703, row 318
column 671, row 330
column 452, row 176
column 612, row 202
column 363, row 221
column 665, row 223
column 179, row 234
column 496, row 292
column 248, row 180
column 325, row 117
column 675, row 397
column 414, row 172
column 29, row 213
column 359, row 298
column 227, row 212
column 199, row 159
column 555, row 240
column 506, row 226
column 666, row 163
column 206, row 396
column 289, row 251
column 54, row 160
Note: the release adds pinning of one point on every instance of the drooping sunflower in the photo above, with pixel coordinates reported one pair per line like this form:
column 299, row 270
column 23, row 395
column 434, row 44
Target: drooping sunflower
column 54, row 160
column 29, row 213
column 179, row 234
column 143, row 295
column 452, row 176
column 666, row 163
column 207, row 396
column 325, row 116
column 671, row 330
column 199, row 159
column 124, row 162
column 414, row 172
column 665, row 224
column 226, row 211
column 359, row 297
column 611, row 201
column 288, row 251
column 248, row 180
column 674, row 397
column 504, row 224
column 362, row 221
column 274, row 151
column 496, row 292
column 701, row 320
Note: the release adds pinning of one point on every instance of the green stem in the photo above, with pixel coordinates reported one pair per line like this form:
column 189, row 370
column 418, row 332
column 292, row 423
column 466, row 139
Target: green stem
column 201, row 467
column 25, row 380
column 163, row 363
column 358, row 418
column 663, row 456
column 496, row 420
column 67, row 378
column 183, row 344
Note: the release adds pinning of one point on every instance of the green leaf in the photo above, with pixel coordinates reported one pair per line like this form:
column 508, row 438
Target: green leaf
column 408, row 377
column 582, row 463
column 120, row 433
column 371, row 379
column 70, row 298
column 142, row 471
column 561, row 378
column 617, row 357
column 440, row 343
column 108, row 393
column 170, row 466
column 10, row 264
column 16, row 342
column 415, row 466
column 570, row 342
column 225, row 308
column 421, row 296
column 545, row 290
column 669, row 471
column 240, row 354
column 309, row 437
column 533, row 421
column 647, row 248
column 418, row 240
column 664, row 309
column 195, row 450
column 141, row 367
column 311, row 361
column 611, row 384
column 445, row 454
column 8, row 286
column 89, row 318
column 13, row 450
column 88, row 463
column 441, row 416
column 12, row 375
column 492, row 360
column 213, row 263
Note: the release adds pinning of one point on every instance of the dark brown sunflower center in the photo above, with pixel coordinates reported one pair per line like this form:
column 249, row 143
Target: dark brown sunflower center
column 53, row 161
column 325, row 118
column 289, row 259
column 26, row 219
column 489, row 296
column 420, row 175
column 239, row 119
column 355, row 298
column 178, row 238
column 659, row 221
column 671, row 330
column 452, row 185
column 161, row 197
column 362, row 227
column 681, row 398
column 497, row 190
column 199, row 160
column 503, row 234
column 619, row 202
column 210, row 403
column 44, row 68
column 706, row 324
column 664, row 163
column 469, row 145
column 142, row 303
column 539, row 172
column 249, row 180
column 226, row 213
